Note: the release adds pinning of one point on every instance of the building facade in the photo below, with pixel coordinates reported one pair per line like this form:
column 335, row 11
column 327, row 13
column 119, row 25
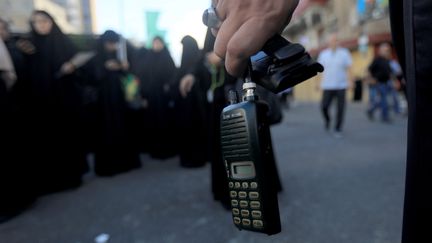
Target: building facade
column 361, row 24
column 73, row 16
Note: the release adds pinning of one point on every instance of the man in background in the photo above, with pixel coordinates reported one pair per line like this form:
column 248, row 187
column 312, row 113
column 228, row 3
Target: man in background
column 334, row 81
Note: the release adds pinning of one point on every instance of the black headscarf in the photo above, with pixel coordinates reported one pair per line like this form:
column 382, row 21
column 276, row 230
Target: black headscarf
column 102, row 54
column 52, row 51
column 162, row 67
column 190, row 56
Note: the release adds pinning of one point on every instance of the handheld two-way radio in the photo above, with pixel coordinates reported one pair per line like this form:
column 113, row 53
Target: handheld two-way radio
column 245, row 134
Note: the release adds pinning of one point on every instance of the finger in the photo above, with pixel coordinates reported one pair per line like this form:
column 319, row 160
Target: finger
column 224, row 34
column 247, row 41
column 189, row 86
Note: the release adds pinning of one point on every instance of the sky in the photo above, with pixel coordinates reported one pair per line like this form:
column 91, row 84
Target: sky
column 178, row 18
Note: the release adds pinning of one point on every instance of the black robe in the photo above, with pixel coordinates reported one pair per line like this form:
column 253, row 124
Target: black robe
column 412, row 33
column 16, row 171
column 163, row 134
column 53, row 107
column 114, row 152
column 192, row 111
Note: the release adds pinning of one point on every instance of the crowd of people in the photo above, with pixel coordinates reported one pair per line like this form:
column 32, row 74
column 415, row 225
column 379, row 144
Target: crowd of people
column 58, row 105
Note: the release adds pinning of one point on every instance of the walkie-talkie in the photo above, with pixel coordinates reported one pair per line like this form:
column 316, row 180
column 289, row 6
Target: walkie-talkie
column 246, row 146
column 245, row 134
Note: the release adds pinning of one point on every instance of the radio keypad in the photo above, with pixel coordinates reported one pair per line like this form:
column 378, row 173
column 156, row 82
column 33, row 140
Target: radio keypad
column 246, row 207
column 234, row 203
column 243, row 204
column 256, row 214
column 255, row 205
column 258, row 223
column 245, row 213
column 242, row 195
column 245, row 185
column 246, row 222
column 253, row 195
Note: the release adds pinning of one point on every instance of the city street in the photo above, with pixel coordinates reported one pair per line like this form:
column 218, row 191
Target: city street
column 346, row 189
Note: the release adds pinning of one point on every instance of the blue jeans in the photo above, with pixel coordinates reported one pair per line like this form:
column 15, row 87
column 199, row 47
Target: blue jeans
column 395, row 97
column 382, row 90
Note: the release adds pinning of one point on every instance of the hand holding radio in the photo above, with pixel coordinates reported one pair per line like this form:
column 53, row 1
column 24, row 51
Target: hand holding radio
column 246, row 144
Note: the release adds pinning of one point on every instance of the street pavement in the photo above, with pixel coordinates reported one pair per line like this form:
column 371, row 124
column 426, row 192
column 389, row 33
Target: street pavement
column 346, row 189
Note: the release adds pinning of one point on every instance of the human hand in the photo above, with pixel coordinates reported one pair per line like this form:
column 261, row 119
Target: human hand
column 186, row 85
column 125, row 66
column 67, row 68
column 112, row 65
column 9, row 79
column 26, row 47
column 246, row 26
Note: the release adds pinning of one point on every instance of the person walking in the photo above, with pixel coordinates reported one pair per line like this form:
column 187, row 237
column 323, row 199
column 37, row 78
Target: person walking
column 334, row 82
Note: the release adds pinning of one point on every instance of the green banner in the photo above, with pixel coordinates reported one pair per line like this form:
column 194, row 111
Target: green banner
column 152, row 19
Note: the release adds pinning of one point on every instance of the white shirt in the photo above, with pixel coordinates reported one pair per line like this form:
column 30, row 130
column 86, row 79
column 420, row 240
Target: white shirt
column 335, row 62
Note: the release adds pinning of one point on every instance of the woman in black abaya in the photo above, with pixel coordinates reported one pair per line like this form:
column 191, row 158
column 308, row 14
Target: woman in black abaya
column 53, row 107
column 15, row 174
column 192, row 109
column 104, row 72
column 161, row 105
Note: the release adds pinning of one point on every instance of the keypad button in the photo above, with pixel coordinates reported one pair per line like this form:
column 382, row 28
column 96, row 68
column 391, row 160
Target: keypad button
column 244, row 204
column 246, row 222
column 231, row 185
column 235, row 211
column 258, row 223
column 237, row 220
column 254, row 204
column 234, row 203
column 256, row 214
column 253, row 195
column 245, row 213
column 233, row 194
column 254, row 185
column 242, row 194
column 245, row 185
column 237, row 185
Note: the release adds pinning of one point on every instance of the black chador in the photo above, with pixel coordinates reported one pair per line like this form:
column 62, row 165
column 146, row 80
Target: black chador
column 52, row 104
column 192, row 110
column 114, row 152
column 161, row 104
